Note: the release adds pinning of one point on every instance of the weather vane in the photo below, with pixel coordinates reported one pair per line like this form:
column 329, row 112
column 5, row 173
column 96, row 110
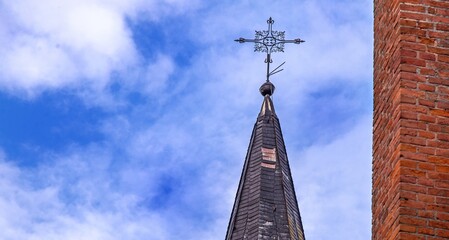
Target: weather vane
column 270, row 41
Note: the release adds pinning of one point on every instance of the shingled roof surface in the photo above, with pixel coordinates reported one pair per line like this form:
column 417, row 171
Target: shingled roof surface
column 265, row 205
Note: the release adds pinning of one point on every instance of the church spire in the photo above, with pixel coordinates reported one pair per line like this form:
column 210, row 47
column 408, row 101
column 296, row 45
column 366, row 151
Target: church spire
column 265, row 205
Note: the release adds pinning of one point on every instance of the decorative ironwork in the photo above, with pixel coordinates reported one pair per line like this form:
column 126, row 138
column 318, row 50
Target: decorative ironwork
column 270, row 41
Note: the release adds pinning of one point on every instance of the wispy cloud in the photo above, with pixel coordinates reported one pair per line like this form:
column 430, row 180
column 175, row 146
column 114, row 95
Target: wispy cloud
column 49, row 45
column 334, row 185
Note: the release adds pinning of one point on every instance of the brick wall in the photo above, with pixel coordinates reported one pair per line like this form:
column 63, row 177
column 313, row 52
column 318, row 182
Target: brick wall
column 411, row 120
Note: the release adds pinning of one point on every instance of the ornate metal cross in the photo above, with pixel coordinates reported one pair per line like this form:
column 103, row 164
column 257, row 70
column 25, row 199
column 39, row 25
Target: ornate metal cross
column 270, row 41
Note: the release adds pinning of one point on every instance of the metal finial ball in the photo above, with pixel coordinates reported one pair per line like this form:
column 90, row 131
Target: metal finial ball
column 267, row 89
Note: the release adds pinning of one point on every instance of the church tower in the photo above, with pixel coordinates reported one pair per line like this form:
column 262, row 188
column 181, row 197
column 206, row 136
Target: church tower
column 411, row 120
column 265, row 204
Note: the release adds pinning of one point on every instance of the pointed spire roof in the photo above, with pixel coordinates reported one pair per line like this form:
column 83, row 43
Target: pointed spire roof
column 265, row 205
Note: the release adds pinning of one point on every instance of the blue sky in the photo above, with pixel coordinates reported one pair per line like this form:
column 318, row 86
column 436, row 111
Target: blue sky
column 131, row 119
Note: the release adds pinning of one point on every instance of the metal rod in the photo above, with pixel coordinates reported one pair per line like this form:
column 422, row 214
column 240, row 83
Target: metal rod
column 273, row 72
column 268, row 66
column 277, row 69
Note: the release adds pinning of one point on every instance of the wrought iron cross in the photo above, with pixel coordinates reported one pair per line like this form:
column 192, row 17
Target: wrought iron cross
column 270, row 41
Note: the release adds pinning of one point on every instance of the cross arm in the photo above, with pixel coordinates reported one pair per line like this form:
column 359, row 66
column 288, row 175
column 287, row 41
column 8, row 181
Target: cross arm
column 295, row 41
column 243, row 40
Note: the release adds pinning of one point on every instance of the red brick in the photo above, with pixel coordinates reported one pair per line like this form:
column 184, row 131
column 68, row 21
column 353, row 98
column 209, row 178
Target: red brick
column 426, row 198
column 408, row 228
column 426, row 102
column 426, row 134
column 408, row 163
column 442, row 233
column 443, row 105
column 426, row 150
column 426, row 166
column 443, row 137
column 408, row 236
column 414, row 188
column 439, row 112
column 442, row 184
column 426, row 118
column 412, row 8
column 443, row 216
column 428, row 231
column 426, row 214
column 439, row 192
column 427, row 56
column 443, row 169
column 442, row 200
column 427, row 87
column 413, row 61
column 439, row 224
column 426, row 182
column 414, row 221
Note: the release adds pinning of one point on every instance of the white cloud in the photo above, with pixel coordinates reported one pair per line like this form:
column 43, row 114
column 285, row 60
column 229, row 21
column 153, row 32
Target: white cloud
column 157, row 75
column 34, row 63
column 73, row 197
column 77, row 44
column 54, row 44
column 333, row 182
